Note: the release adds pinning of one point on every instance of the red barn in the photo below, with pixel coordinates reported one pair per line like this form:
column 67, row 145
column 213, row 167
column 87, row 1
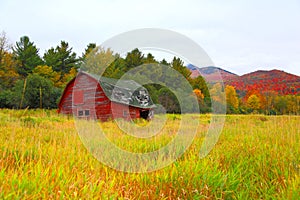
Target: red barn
column 92, row 97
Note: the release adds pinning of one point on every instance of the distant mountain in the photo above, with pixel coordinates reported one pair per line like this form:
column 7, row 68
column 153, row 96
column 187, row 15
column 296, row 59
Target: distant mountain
column 262, row 80
column 273, row 80
column 212, row 74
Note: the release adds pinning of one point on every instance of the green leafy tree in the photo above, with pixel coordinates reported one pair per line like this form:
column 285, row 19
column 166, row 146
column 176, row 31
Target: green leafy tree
column 26, row 53
column 6, row 99
column 281, row 104
column 39, row 92
column 168, row 100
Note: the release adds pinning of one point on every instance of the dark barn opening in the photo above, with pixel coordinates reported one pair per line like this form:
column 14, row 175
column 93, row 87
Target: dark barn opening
column 144, row 114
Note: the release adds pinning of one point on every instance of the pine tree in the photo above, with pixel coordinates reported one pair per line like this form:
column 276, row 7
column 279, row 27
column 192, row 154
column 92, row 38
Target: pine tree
column 61, row 59
column 26, row 53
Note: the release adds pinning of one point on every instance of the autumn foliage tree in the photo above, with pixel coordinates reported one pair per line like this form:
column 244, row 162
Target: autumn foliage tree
column 253, row 103
column 5, row 47
column 48, row 73
column 261, row 97
column 232, row 100
column 218, row 98
column 199, row 94
column 8, row 71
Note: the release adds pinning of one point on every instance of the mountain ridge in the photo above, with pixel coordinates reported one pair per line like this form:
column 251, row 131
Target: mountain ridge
column 263, row 80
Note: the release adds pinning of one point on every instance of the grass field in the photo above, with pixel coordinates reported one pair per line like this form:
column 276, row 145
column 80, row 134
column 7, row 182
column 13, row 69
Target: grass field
column 256, row 157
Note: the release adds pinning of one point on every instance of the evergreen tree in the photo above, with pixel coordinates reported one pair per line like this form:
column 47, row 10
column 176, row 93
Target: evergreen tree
column 26, row 53
column 149, row 59
column 133, row 59
column 89, row 49
column 61, row 59
column 164, row 62
column 178, row 65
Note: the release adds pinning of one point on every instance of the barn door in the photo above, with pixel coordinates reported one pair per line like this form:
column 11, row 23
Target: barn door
column 78, row 97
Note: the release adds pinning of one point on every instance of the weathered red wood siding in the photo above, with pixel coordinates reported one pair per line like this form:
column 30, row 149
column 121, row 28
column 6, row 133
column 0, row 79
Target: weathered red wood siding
column 65, row 104
column 124, row 111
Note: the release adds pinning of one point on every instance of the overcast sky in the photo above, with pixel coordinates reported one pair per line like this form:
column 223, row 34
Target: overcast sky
column 239, row 36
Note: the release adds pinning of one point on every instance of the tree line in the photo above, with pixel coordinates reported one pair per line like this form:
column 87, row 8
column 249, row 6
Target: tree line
column 255, row 101
column 28, row 79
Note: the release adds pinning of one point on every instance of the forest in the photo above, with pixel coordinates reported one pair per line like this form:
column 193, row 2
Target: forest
column 29, row 79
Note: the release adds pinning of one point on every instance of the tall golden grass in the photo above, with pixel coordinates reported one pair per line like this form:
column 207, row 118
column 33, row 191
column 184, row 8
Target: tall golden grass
column 256, row 157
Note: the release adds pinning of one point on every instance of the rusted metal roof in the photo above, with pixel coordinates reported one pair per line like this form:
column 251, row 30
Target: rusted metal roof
column 126, row 92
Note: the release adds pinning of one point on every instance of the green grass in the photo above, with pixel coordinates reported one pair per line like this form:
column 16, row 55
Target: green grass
column 256, row 157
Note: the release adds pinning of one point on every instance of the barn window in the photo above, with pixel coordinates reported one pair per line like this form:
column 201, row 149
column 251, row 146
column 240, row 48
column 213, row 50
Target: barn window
column 87, row 112
column 78, row 97
column 80, row 113
column 125, row 113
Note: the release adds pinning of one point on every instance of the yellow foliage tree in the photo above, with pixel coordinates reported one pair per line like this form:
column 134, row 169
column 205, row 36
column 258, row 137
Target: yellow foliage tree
column 254, row 102
column 8, row 72
column 232, row 99
column 47, row 72
column 97, row 60
column 69, row 76
column 217, row 93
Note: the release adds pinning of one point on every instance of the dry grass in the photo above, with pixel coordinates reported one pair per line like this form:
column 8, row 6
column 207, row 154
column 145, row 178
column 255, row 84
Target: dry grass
column 256, row 157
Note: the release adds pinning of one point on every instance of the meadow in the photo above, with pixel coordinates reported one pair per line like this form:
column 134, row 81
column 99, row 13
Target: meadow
column 256, row 157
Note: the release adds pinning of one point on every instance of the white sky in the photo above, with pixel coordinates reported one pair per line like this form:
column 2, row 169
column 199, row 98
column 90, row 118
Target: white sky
column 240, row 36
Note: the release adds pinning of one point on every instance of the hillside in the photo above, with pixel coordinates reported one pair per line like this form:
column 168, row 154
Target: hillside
column 262, row 80
column 211, row 73
column 273, row 80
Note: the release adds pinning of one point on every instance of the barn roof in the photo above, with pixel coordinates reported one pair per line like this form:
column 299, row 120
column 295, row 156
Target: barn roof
column 126, row 92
